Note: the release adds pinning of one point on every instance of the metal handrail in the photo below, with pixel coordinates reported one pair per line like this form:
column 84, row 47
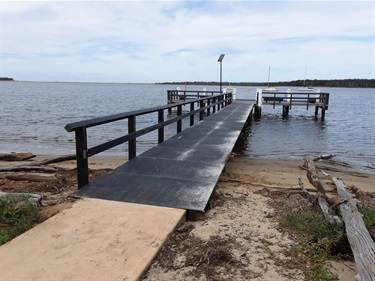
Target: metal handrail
column 206, row 104
column 322, row 99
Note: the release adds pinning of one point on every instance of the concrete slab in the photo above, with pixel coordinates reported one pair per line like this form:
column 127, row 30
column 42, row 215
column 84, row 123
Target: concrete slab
column 94, row 240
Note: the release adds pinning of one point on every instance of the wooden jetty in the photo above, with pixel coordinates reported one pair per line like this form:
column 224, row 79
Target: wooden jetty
column 288, row 99
column 180, row 172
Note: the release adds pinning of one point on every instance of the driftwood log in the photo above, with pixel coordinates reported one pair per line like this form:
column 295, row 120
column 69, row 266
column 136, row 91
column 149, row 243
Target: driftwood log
column 324, row 156
column 36, row 165
column 34, row 177
column 16, row 156
column 34, row 199
column 313, row 177
column 28, row 169
column 363, row 247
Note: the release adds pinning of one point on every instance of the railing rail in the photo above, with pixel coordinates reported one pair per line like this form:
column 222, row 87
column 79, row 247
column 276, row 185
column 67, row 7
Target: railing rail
column 205, row 105
column 183, row 95
column 289, row 99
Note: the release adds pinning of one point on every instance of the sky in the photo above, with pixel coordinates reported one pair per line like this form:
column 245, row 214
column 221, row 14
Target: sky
column 160, row 41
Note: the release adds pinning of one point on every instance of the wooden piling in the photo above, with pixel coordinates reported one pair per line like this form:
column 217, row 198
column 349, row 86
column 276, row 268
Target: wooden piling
column 285, row 110
column 258, row 111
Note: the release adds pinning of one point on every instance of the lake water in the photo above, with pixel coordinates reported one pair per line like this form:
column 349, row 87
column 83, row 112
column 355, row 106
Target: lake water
column 33, row 116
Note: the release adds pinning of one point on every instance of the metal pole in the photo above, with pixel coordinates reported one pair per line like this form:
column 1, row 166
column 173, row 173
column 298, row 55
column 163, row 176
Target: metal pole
column 221, row 76
column 220, row 59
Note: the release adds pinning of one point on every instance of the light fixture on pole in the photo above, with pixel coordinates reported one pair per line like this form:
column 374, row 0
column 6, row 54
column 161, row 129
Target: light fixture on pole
column 221, row 69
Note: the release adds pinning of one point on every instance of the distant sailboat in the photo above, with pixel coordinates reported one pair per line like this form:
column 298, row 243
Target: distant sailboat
column 269, row 89
column 304, row 87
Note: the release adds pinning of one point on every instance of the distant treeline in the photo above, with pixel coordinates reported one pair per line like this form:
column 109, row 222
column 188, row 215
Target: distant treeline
column 344, row 83
column 6, row 79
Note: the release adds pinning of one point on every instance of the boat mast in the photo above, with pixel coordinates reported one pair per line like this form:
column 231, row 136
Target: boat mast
column 269, row 72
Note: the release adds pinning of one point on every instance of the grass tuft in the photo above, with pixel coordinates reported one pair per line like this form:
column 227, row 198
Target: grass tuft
column 15, row 218
column 315, row 247
column 368, row 216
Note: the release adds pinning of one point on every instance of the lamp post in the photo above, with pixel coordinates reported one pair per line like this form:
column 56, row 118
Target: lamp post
column 221, row 69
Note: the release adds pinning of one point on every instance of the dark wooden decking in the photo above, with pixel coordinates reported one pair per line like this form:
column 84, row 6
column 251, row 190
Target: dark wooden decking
column 180, row 172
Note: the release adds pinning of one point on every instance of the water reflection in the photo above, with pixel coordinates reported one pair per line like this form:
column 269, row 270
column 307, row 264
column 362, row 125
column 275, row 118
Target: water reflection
column 273, row 135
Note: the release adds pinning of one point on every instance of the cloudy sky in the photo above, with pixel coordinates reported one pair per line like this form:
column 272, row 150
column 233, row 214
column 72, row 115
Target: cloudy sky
column 157, row 41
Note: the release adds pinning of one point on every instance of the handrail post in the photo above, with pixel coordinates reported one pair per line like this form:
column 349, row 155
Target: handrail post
column 161, row 130
column 290, row 101
column 308, row 101
column 208, row 106
column 179, row 122
column 214, row 107
column 82, row 157
column 201, row 105
column 132, row 143
column 191, row 116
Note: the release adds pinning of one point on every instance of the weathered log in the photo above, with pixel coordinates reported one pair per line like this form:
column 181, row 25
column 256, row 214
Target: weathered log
column 17, row 197
column 362, row 245
column 32, row 166
column 324, row 156
column 311, row 198
column 53, row 160
column 16, row 156
column 34, row 177
column 28, row 169
column 313, row 177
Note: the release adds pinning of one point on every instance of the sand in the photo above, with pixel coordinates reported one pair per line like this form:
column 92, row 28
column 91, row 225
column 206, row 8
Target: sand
column 242, row 220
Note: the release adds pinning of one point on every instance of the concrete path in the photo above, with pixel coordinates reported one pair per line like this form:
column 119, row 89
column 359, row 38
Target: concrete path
column 94, row 240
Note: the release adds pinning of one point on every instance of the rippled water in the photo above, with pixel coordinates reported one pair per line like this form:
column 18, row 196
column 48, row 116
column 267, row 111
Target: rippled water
column 33, row 116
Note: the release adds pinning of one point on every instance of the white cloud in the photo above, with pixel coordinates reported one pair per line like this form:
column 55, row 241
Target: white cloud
column 154, row 41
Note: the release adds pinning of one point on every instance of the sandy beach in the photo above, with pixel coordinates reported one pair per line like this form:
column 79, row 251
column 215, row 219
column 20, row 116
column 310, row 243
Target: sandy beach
column 241, row 222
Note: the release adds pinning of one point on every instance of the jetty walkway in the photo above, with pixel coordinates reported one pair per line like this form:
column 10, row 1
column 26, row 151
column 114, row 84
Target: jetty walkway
column 182, row 171
column 105, row 235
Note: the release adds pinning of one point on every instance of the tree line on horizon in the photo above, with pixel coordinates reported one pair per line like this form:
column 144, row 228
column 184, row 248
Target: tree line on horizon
column 6, row 79
column 334, row 83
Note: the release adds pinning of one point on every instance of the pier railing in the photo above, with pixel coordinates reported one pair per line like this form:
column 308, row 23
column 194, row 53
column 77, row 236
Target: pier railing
column 174, row 96
column 206, row 106
column 296, row 98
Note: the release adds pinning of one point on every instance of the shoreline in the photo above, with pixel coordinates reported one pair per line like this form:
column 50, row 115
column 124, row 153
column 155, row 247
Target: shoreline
column 236, row 198
column 267, row 167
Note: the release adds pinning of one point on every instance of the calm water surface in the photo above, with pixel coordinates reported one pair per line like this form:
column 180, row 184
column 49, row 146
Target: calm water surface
column 33, row 116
